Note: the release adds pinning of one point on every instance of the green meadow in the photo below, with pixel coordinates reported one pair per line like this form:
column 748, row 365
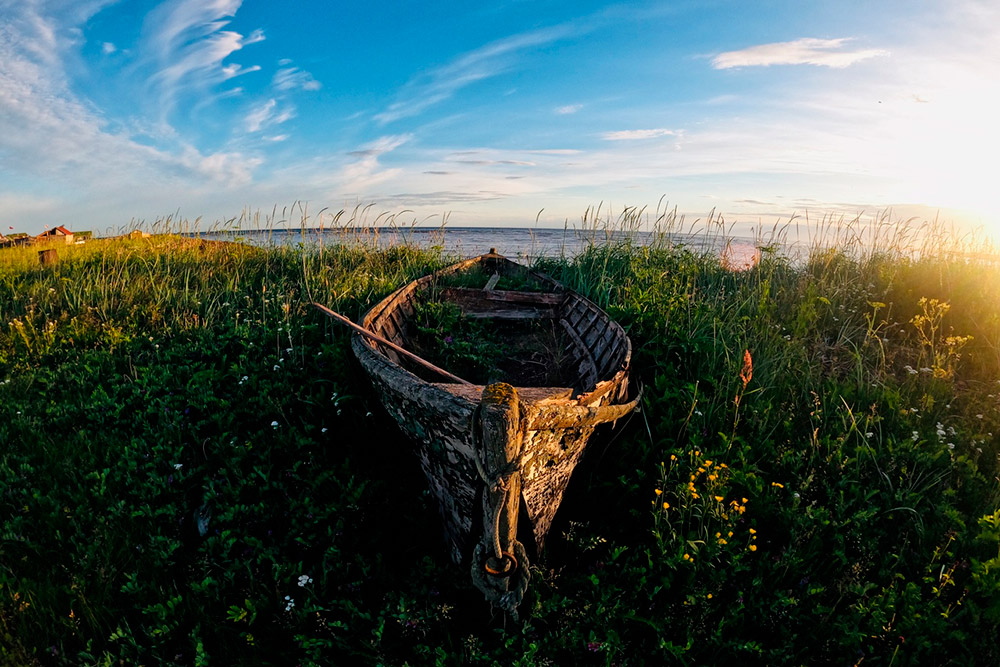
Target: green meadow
column 194, row 470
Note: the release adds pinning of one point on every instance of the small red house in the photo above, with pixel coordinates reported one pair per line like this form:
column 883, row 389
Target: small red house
column 55, row 233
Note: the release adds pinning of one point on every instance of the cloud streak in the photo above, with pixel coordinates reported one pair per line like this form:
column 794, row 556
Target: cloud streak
column 568, row 109
column 486, row 62
column 636, row 135
column 366, row 172
column 291, row 78
column 51, row 133
column 188, row 44
column 806, row 51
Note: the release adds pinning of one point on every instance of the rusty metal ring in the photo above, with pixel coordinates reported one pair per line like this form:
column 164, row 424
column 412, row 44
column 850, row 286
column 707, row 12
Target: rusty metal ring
column 508, row 563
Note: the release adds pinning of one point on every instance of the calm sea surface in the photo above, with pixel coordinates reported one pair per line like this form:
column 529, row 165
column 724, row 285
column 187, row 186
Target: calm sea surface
column 514, row 242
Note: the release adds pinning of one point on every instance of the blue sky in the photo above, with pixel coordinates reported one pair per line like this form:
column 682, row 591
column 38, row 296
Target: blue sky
column 491, row 112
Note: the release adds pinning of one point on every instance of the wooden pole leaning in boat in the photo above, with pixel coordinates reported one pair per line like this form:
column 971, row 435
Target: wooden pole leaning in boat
column 379, row 339
column 499, row 562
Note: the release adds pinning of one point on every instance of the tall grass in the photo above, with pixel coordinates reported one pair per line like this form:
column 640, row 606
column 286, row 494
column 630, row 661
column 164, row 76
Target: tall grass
column 193, row 469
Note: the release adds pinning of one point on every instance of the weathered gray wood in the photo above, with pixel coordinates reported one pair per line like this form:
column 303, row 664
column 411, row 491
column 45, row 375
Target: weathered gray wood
column 555, row 426
column 502, row 304
column 524, row 394
column 500, row 450
column 501, row 314
column 587, row 366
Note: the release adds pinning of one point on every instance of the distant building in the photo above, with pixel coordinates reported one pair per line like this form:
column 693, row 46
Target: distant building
column 59, row 232
column 15, row 239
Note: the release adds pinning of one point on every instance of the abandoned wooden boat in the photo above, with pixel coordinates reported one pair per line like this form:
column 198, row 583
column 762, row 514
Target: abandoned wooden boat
column 511, row 438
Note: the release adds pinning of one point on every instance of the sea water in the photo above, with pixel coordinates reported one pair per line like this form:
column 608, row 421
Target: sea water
column 522, row 243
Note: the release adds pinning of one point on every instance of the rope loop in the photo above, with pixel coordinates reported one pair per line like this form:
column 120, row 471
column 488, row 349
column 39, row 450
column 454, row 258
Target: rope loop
column 504, row 591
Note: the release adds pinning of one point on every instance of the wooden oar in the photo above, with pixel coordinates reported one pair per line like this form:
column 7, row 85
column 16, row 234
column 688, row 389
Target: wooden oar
column 379, row 339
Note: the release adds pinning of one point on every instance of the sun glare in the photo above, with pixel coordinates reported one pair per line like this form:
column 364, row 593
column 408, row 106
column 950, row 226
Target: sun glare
column 944, row 151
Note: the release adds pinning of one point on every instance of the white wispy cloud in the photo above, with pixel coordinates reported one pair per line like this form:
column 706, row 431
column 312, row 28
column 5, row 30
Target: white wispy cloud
column 493, row 59
column 366, row 172
column 806, row 51
column 633, row 135
column 568, row 109
column 268, row 114
column 107, row 48
column 63, row 143
column 290, row 78
column 259, row 115
column 188, row 44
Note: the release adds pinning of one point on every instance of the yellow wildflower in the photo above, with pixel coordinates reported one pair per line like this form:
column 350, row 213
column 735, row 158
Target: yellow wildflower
column 780, row 486
column 712, row 478
column 744, row 501
column 719, row 499
column 752, row 547
column 673, row 458
column 708, row 463
column 666, row 506
column 753, row 531
column 687, row 557
column 723, row 541
column 708, row 597
column 718, row 534
column 659, row 492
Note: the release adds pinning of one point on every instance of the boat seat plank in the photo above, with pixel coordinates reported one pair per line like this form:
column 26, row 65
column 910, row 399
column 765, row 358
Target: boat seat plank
column 528, row 394
column 469, row 295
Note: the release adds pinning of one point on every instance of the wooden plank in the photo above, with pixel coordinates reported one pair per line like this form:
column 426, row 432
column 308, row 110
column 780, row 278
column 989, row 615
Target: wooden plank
column 605, row 349
column 591, row 319
column 526, row 394
column 511, row 315
column 501, row 439
column 587, row 365
column 467, row 295
column 577, row 311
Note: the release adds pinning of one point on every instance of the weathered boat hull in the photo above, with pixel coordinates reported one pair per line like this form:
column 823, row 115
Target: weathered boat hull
column 554, row 425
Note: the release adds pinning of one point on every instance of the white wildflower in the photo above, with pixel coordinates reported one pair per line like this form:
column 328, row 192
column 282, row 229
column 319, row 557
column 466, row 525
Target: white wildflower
column 274, row 424
column 305, row 579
